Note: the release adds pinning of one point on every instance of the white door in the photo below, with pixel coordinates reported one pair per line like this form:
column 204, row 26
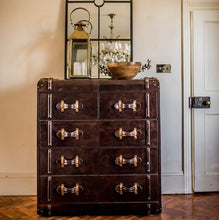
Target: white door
column 206, row 83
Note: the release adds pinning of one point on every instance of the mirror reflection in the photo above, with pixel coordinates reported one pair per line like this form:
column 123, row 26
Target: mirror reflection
column 110, row 37
column 117, row 17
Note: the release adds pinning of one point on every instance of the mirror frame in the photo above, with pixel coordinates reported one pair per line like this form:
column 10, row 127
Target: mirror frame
column 98, row 39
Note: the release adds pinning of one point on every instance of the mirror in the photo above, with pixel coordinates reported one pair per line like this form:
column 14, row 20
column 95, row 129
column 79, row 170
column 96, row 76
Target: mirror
column 110, row 33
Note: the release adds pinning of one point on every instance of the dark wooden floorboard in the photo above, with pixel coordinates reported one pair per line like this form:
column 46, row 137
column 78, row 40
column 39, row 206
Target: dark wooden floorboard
column 176, row 207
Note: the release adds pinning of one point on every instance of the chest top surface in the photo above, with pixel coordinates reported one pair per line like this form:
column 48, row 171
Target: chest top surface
column 101, row 85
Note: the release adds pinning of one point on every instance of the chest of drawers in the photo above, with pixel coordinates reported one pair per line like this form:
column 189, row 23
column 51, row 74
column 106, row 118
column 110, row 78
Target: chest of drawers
column 98, row 147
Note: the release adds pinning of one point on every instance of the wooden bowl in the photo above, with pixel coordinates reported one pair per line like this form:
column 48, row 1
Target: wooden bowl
column 124, row 70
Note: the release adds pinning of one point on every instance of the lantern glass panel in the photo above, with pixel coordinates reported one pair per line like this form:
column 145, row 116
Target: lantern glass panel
column 79, row 58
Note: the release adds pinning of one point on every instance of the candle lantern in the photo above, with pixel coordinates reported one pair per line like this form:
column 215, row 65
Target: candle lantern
column 79, row 49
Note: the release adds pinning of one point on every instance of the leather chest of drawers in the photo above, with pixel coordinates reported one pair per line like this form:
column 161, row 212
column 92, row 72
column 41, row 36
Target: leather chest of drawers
column 98, row 147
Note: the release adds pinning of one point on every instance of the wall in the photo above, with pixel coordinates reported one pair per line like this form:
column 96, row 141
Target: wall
column 157, row 35
column 32, row 47
column 202, row 2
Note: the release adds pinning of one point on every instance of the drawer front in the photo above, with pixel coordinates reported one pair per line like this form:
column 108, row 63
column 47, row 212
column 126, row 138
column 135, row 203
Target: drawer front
column 122, row 133
column 68, row 106
column 68, row 133
column 128, row 161
column 74, row 189
column 68, row 161
column 129, row 188
column 98, row 161
column 122, row 105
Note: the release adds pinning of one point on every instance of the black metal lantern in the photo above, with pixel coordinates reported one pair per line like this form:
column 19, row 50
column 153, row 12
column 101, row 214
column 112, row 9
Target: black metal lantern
column 79, row 49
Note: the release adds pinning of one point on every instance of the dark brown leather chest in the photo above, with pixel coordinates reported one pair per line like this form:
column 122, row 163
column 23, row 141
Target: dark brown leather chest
column 98, row 147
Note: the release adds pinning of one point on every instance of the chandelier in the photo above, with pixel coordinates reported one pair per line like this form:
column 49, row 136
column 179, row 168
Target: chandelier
column 112, row 50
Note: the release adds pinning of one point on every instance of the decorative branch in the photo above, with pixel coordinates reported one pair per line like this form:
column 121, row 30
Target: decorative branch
column 147, row 65
column 103, row 69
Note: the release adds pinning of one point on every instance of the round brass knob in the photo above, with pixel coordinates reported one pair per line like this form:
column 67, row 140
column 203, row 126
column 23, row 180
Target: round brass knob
column 207, row 103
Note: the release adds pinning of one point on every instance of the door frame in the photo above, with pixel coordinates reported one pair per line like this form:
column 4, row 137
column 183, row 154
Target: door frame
column 187, row 81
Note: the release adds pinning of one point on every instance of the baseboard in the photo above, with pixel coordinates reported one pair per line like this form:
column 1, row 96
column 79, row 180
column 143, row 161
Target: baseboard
column 172, row 183
column 18, row 183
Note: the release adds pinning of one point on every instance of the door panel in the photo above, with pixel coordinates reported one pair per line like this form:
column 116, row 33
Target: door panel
column 206, row 83
column 211, row 53
column 211, row 144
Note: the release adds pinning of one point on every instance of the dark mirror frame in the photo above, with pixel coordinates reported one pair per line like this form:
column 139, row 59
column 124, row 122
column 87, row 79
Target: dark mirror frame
column 98, row 39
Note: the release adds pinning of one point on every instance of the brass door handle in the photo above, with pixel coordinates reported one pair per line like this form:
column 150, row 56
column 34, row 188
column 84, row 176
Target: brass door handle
column 134, row 133
column 120, row 161
column 62, row 106
column 72, row 134
column 120, row 106
column 62, row 190
column 77, row 161
column 121, row 189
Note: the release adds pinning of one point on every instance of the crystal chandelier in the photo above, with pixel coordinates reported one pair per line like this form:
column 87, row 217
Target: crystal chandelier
column 111, row 50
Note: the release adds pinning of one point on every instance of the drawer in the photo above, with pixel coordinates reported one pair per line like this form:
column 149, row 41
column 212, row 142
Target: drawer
column 68, row 189
column 128, row 160
column 68, row 133
column 77, row 189
column 68, row 106
column 69, row 161
column 122, row 105
column 79, row 161
column 129, row 105
column 111, row 132
column 129, row 188
column 122, row 133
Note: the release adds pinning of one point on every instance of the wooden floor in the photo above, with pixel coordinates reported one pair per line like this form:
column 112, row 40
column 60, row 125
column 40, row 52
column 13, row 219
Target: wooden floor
column 176, row 207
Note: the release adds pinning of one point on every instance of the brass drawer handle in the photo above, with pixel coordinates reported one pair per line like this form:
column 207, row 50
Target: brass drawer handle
column 75, row 134
column 120, row 161
column 133, row 189
column 134, row 133
column 62, row 106
column 62, row 190
column 77, row 161
column 120, row 106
